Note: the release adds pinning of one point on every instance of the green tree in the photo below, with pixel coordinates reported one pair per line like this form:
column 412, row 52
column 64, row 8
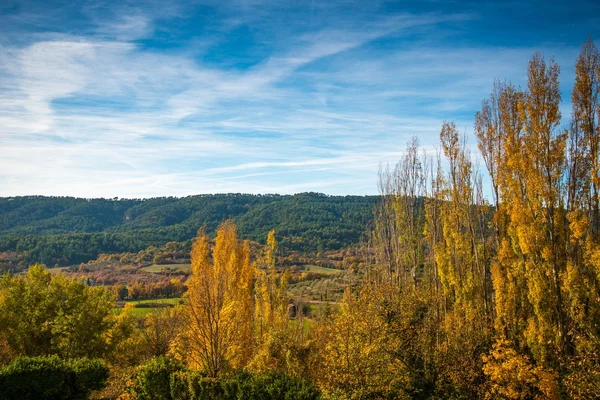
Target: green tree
column 43, row 314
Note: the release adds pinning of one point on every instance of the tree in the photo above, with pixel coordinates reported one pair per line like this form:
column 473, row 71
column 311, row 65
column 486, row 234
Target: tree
column 581, row 276
column 160, row 331
column 219, row 306
column 512, row 376
column 270, row 309
column 44, row 314
column 531, row 257
column 356, row 355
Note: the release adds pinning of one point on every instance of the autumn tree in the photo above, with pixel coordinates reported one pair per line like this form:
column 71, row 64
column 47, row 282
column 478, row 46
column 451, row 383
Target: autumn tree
column 546, row 290
column 356, row 350
column 432, row 254
column 498, row 128
column 398, row 236
column 160, row 331
column 581, row 277
column 219, row 308
column 502, row 300
column 44, row 314
column 461, row 254
column 270, row 309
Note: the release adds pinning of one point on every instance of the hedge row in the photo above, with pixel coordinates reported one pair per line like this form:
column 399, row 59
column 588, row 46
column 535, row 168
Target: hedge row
column 51, row 377
column 165, row 379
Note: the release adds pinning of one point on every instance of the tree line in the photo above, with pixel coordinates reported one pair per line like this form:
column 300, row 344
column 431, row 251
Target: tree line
column 67, row 231
column 501, row 300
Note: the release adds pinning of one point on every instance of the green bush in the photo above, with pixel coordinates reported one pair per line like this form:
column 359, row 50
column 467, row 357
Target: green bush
column 189, row 385
column 51, row 378
column 89, row 375
column 153, row 378
column 163, row 378
column 274, row 386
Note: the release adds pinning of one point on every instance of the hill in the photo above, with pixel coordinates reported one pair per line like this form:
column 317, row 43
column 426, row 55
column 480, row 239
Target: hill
column 68, row 230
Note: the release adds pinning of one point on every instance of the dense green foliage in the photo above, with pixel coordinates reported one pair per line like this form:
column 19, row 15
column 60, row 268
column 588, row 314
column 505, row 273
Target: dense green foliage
column 152, row 379
column 42, row 314
column 162, row 378
column 50, row 377
column 68, row 230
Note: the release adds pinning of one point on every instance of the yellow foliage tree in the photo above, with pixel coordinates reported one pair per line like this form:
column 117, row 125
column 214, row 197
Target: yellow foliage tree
column 546, row 289
column 513, row 376
column 356, row 358
column 219, row 306
column 270, row 310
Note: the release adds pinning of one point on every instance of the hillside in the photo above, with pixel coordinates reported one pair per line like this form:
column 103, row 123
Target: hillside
column 67, row 230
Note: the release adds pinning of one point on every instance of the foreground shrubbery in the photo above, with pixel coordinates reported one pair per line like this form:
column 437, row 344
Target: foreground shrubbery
column 165, row 379
column 51, row 378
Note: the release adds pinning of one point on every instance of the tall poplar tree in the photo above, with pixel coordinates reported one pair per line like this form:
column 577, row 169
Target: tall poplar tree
column 219, row 320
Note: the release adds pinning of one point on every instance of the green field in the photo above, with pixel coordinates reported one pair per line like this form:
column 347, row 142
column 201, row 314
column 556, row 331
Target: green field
column 144, row 307
column 156, row 268
column 173, row 301
column 137, row 312
column 321, row 270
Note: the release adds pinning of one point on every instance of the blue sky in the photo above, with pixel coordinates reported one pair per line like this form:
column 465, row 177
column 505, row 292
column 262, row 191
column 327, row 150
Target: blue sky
column 159, row 98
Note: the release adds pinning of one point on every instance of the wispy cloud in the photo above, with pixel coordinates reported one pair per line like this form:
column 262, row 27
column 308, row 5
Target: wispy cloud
column 138, row 101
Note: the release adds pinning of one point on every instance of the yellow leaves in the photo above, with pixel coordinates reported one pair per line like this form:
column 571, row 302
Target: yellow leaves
column 547, row 253
column 270, row 307
column 531, row 175
column 583, row 382
column 356, row 353
column 578, row 224
column 512, row 376
column 219, row 320
column 593, row 252
column 449, row 140
column 233, row 318
column 543, row 257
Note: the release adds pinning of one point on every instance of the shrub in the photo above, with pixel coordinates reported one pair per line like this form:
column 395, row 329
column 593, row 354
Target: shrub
column 89, row 375
column 166, row 379
column 153, row 378
column 187, row 385
column 50, row 377
column 274, row 386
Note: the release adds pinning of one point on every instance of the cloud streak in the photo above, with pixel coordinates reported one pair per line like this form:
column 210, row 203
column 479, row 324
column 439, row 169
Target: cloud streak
column 131, row 106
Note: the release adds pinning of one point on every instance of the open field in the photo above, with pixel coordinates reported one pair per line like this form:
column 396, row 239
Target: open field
column 143, row 307
column 136, row 312
column 321, row 270
column 146, row 302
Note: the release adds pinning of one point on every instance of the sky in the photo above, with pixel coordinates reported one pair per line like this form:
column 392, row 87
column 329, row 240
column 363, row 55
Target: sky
column 173, row 98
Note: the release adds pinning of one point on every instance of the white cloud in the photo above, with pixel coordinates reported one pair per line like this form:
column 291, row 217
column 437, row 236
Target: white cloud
column 101, row 115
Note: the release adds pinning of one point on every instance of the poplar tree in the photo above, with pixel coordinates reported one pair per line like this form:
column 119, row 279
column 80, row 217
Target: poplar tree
column 219, row 320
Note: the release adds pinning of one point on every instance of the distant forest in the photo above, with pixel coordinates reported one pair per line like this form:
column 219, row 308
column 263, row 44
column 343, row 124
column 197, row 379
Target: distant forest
column 68, row 230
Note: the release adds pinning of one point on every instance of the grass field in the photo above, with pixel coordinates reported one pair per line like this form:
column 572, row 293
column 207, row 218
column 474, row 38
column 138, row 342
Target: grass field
column 172, row 301
column 142, row 308
column 156, row 268
column 136, row 312
column 321, row 270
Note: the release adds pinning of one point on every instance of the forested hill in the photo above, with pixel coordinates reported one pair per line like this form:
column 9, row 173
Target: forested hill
column 67, row 230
